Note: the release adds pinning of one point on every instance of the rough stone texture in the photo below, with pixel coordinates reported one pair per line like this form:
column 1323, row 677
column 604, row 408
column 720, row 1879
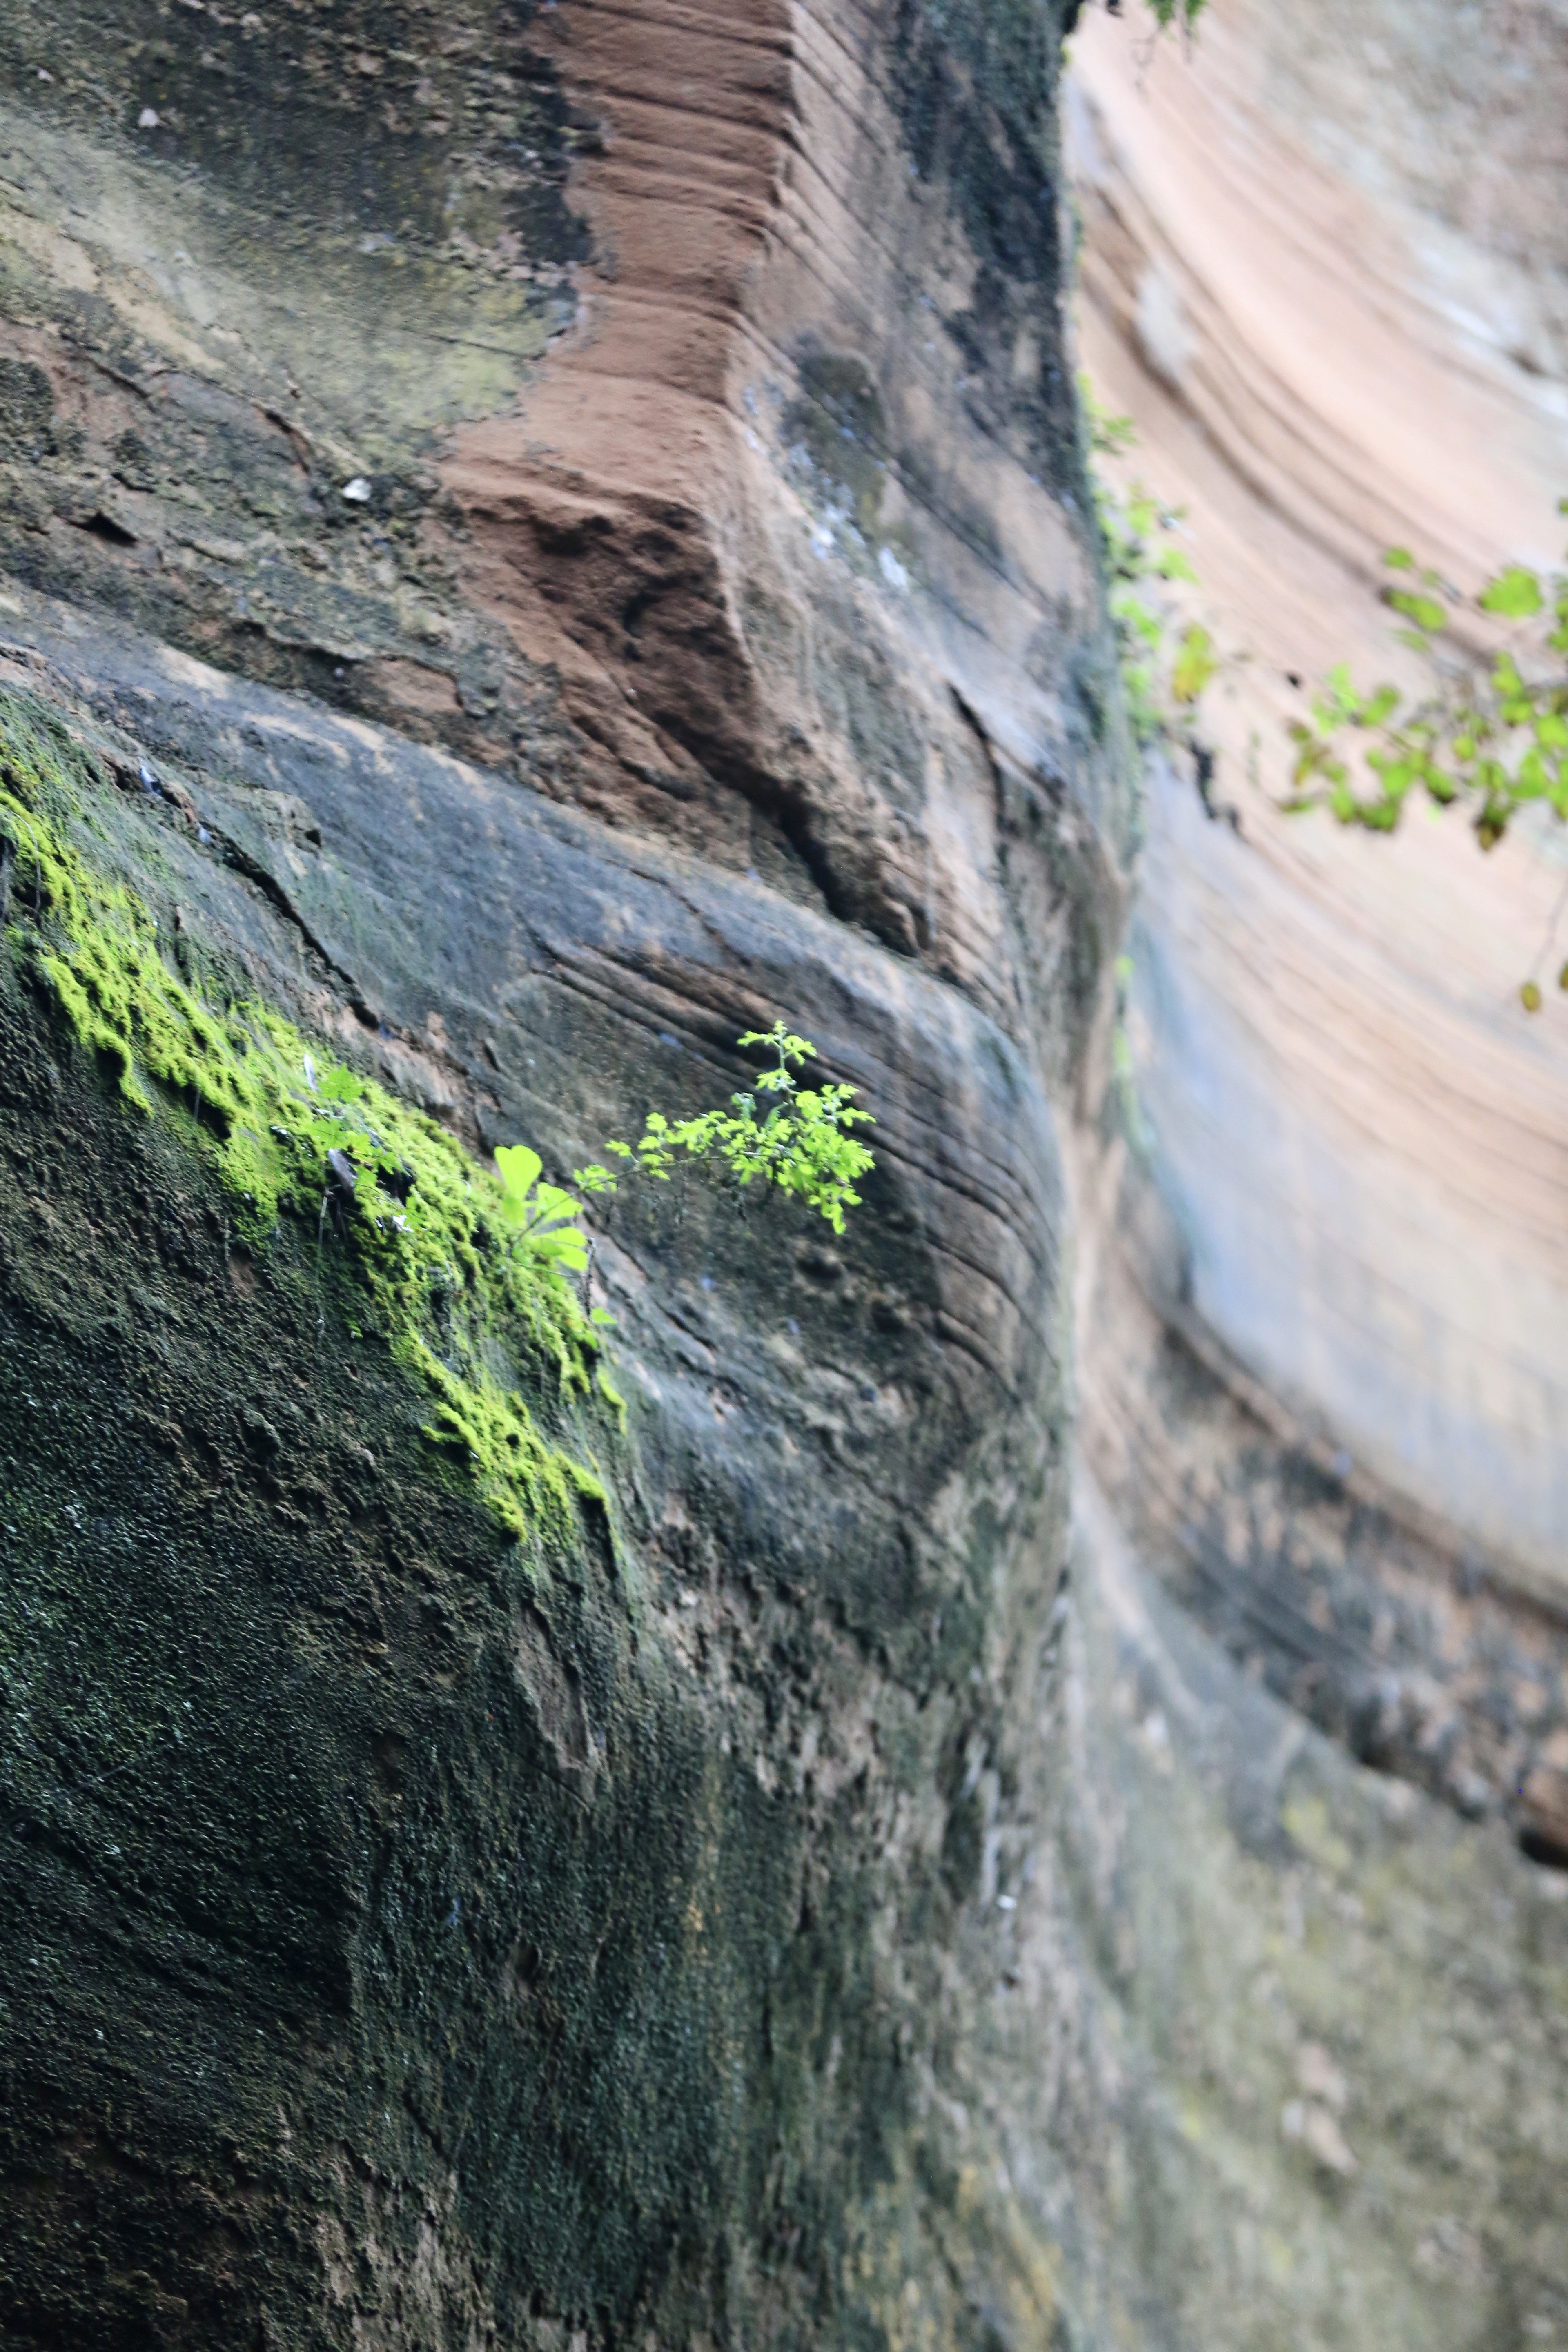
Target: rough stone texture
column 765, row 1715
column 1328, row 2019
column 827, row 1902
column 1336, row 332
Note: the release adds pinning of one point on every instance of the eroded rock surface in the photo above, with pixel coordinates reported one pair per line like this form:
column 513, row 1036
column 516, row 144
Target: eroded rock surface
column 1336, row 333
column 564, row 536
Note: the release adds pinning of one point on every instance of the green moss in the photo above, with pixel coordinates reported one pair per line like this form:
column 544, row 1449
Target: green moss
column 416, row 1217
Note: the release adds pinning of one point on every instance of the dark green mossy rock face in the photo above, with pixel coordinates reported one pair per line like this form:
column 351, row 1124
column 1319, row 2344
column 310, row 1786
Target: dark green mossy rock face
column 554, row 1930
column 781, row 1911
column 360, row 1868
column 764, row 1900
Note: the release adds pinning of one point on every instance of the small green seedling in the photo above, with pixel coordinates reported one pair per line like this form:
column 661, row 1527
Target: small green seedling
column 540, row 1219
column 802, row 1143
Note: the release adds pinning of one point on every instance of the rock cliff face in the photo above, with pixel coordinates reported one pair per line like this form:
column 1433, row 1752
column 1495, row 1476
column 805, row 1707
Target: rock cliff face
column 534, row 542
column 1359, row 1142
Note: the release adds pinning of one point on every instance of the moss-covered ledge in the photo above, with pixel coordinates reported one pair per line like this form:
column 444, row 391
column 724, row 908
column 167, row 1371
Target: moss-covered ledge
column 419, row 1249
column 405, row 1930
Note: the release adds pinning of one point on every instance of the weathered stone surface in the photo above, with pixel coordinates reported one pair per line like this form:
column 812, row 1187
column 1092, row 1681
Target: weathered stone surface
column 578, row 517
column 1325, row 272
column 833, row 1554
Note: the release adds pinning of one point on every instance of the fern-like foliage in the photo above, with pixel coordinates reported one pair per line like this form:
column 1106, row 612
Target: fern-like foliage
column 803, row 1142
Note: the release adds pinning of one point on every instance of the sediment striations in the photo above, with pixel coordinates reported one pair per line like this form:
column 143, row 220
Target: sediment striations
column 559, row 536
column 1324, row 266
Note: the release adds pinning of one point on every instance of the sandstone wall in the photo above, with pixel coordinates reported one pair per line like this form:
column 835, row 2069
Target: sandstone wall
column 1323, row 269
column 557, row 536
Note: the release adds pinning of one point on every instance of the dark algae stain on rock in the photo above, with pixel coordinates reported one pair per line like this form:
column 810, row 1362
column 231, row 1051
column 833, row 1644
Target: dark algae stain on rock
column 838, row 421
column 405, row 122
column 536, row 544
column 976, row 91
column 484, row 1936
column 304, row 243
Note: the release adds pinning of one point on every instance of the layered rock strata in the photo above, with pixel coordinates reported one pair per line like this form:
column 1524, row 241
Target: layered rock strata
column 1348, row 1197
column 545, row 541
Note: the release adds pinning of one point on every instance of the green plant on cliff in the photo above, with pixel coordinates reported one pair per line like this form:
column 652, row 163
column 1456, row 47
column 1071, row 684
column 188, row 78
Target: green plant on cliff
column 1488, row 734
column 1165, row 665
column 540, row 1218
column 425, row 1227
column 457, row 1264
column 803, row 1145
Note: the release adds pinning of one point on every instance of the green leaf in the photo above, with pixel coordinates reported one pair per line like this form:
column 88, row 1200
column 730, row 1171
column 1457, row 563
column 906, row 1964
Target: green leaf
column 567, row 1247
column 788, row 1047
column 1138, row 617
column 518, row 1168
column 1399, row 559
column 1513, row 593
column 1425, row 611
column 1530, row 997
column 1195, row 664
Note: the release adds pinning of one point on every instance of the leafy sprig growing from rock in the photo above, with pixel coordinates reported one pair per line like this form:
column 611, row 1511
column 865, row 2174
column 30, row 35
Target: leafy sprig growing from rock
column 802, row 1143
column 1184, row 12
column 1489, row 735
column 541, row 1219
column 1166, row 13
column 1163, row 670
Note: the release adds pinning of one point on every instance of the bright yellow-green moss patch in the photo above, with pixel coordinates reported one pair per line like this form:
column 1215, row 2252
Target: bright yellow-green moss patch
column 448, row 1284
